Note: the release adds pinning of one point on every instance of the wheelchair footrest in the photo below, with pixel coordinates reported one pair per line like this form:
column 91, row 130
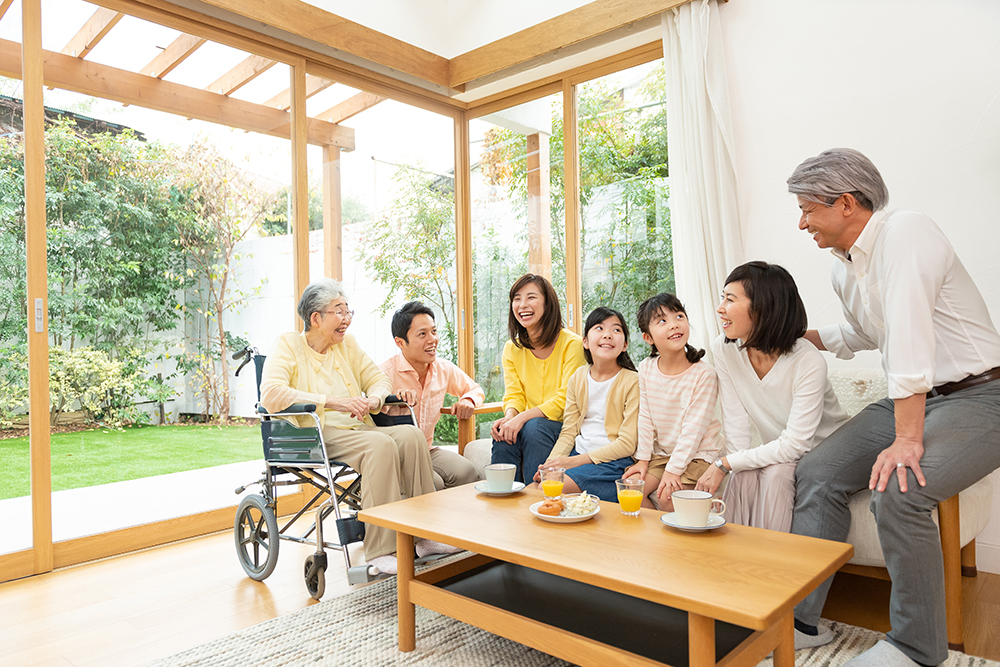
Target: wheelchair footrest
column 350, row 530
column 361, row 574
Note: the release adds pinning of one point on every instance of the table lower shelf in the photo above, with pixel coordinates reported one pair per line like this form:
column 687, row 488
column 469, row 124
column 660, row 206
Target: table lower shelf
column 630, row 624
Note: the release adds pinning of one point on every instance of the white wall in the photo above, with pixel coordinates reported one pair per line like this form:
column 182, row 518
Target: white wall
column 913, row 84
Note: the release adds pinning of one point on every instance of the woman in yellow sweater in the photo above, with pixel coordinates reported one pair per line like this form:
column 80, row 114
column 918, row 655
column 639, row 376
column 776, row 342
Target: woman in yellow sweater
column 538, row 361
column 326, row 366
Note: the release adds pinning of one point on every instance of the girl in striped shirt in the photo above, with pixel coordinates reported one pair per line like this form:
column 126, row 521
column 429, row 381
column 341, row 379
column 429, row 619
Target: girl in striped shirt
column 679, row 436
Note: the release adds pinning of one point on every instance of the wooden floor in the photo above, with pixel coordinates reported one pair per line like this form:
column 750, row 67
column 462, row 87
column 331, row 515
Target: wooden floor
column 132, row 609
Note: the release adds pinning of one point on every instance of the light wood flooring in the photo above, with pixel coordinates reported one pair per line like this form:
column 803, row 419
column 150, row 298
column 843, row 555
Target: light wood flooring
column 134, row 608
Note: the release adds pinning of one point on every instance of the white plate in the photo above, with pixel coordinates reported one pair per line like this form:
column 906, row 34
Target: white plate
column 483, row 488
column 714, row 521
column 562, row 519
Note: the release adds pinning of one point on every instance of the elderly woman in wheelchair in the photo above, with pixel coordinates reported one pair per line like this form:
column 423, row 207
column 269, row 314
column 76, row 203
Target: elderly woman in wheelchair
column 326, row 366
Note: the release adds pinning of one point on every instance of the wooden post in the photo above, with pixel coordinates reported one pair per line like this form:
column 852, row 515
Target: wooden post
column 333, row 252
column 300, row 182
column 571, row 181
column 463, row 266
column 949, row 522
column 37, row 284
column 539, row 225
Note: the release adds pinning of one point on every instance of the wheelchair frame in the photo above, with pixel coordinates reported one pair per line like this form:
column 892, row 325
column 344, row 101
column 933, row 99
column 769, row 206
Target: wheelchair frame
column 297, row 455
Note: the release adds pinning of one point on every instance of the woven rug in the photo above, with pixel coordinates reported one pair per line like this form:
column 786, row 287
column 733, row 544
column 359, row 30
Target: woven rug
column 360, row 629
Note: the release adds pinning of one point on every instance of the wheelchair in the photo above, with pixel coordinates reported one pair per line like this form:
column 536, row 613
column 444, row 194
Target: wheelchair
column 294, row 455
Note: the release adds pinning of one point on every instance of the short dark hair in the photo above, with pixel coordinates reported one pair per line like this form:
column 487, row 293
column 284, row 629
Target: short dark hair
column 403, row 318
column 776, row 309
column 598, row 315
column 552, row 322
column 653, row 306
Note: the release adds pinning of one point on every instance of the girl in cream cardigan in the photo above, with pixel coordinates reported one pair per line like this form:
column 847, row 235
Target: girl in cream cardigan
column 599, row 431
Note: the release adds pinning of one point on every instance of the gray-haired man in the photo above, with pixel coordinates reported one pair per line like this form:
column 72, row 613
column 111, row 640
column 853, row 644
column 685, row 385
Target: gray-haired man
column 904, row 292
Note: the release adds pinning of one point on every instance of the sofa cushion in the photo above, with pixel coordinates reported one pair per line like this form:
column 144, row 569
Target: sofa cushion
column 974, row 508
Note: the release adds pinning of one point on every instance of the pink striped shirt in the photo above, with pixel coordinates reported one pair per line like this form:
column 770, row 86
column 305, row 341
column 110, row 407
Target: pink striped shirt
column 677, row 415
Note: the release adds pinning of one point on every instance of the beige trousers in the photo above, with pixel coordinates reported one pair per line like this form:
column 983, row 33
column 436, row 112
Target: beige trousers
column 393, row 461
column 762, row 498
column 451, row 469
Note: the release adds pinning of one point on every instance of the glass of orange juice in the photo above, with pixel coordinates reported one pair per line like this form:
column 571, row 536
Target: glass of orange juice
column 630, row 495
column 552, row 481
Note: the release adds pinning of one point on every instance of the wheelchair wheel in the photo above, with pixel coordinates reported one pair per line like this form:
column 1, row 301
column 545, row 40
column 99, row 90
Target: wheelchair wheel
column 315, row 576
column 256, row 533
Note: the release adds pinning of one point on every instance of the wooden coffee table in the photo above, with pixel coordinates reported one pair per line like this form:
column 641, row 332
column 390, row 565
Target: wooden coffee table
column 610, row 590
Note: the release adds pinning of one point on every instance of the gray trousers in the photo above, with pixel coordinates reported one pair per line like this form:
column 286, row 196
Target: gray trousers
column 961, row 446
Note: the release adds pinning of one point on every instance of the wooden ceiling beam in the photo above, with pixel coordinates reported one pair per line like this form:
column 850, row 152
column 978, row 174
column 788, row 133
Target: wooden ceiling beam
column 321, row 26
column 172, row 56
column 352, row 106
column 588, row 21
column 283, row 100
column 241, row 75
column 110, row 83
column 92, row 32
column 324, row 65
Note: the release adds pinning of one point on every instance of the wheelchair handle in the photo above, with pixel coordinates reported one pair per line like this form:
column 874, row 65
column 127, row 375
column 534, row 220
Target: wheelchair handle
column 247, row 354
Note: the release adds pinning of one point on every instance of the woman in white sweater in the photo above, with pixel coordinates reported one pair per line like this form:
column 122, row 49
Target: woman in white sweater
column 771, row 376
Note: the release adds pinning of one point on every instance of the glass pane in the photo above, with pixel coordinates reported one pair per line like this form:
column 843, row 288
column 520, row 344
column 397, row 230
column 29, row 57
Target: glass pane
column 518, row 220
column 627, row 253
column 398, row 238
column 159, row 270
column 15, row 479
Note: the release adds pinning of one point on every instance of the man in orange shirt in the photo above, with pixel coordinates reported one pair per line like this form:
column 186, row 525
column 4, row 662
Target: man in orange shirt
column 421, row 379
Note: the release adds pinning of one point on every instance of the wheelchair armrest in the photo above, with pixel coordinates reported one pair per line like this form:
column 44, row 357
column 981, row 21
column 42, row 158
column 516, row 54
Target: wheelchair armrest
column 296, row 408
column 392, row 399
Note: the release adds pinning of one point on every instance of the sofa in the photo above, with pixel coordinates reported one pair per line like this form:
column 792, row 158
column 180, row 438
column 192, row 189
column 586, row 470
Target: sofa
column 965, row 515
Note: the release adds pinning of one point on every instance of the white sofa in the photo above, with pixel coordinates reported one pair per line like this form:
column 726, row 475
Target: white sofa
column 856, row 388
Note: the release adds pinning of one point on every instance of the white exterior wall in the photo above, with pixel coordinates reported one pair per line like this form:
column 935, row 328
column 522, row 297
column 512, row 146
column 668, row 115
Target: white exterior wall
column 914, row 85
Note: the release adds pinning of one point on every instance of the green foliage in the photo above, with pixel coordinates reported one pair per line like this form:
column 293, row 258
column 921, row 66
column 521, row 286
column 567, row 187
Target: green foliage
column 109, row 239
column 411, row 249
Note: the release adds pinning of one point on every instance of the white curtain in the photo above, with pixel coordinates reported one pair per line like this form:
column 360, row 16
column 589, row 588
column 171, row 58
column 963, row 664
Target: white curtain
column 704, row 216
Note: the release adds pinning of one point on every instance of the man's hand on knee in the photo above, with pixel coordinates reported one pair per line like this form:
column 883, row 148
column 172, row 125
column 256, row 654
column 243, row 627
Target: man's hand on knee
column 903, row 453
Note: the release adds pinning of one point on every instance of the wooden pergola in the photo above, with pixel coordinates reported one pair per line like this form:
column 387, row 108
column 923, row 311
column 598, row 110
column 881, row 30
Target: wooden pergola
column 321, row 50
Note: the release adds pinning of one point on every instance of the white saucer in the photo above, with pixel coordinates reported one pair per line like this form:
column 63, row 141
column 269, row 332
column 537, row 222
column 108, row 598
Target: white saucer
column 483, row 488
column 714, row 521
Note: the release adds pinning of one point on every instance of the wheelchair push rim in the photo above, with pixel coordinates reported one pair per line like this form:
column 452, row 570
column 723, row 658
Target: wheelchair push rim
column 257, row 537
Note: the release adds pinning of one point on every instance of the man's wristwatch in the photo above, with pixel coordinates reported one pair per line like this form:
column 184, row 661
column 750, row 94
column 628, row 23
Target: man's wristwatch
column 721, row 466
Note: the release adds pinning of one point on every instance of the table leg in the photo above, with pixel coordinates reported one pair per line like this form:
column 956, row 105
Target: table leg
column 784, row 654
column 701, row 640
column 404, row 575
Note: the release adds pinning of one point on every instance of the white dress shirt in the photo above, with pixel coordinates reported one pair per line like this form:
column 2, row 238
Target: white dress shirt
column 905, row 292
column 793, row 407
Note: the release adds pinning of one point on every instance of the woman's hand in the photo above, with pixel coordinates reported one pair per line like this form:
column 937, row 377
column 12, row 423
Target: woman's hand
column 511, row 427
column 567, row 462
column 356, row 406
column 507, row 428
column 710, row 480
column 668, row 484
column 639, row 468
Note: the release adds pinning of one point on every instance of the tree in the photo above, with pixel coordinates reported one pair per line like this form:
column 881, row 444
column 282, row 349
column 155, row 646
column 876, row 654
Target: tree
column 110, row 243
column 217, row 206
column 411, row 249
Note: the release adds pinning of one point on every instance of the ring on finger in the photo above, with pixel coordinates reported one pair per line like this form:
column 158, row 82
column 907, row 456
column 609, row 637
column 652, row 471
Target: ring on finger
column 899, row 465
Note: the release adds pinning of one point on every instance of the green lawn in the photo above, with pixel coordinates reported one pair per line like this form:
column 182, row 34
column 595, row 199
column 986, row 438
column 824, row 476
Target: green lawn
column 100, row 456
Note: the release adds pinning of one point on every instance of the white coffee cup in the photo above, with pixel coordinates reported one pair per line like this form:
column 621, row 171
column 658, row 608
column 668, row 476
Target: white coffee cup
column 500, row 477
column 692, row 508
